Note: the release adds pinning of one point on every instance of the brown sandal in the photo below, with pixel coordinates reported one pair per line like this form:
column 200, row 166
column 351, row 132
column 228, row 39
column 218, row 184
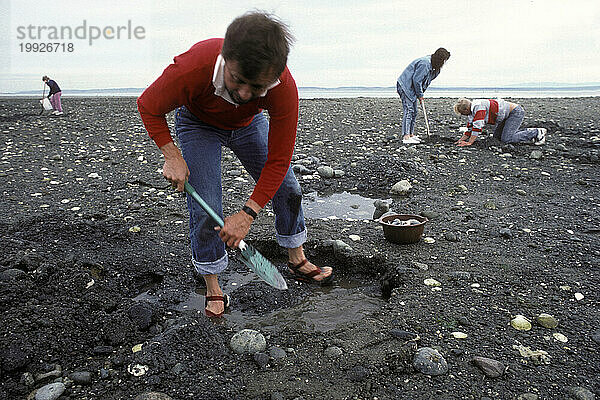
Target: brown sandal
column 225, row 299
column 308, row 276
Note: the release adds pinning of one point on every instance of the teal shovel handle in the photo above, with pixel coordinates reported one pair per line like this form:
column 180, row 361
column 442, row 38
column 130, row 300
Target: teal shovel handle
column 192, row 192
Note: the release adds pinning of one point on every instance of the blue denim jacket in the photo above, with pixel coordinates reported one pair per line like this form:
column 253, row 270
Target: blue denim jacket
column 416, row 77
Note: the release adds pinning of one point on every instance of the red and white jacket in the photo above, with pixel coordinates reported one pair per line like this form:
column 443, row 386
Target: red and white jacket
column 486, row 111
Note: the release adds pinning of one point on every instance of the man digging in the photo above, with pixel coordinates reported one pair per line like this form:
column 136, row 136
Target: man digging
column 219, row 88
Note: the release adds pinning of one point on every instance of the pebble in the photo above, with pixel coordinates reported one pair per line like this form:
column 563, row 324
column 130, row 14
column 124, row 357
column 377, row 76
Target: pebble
column 459, row 335
column 354, row 238
column 536, row 154
column 277, row 353
column 579, row 296
column 401, row 188
column 325, row 171
column 580, row 393
column 521, row 192
column 81, row 377
column 381, row 207
column 547, row 321
column 358, row 374
column 248, row 341
column 528, row 396
column 430, row 362
column 429, row 240
column 506, row 233
column 404, row 335
column 333, row 352
column 560, row 337
column 152, row 396
column 261, row 359
column 520, row 323
column 432, row 282
column 51, row 391
column 596, row 337
column 141, row 314
column 460, row 275
column 490, row 367
column 339, row 246
column 103, row 349
column 11, row 274
column 451, row 237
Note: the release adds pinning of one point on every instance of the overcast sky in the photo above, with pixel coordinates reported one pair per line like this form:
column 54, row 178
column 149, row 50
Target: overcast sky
column 338, row 43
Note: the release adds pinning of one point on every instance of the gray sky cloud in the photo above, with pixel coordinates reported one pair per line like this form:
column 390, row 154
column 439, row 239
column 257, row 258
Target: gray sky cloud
column 338, row 43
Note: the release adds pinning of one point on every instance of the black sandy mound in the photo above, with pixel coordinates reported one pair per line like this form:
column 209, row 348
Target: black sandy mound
column 95, row 262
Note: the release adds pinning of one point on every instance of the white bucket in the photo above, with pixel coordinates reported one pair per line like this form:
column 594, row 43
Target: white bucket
column 46, row 103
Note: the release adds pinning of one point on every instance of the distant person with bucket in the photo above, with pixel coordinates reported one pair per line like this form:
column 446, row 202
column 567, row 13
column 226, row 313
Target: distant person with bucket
column 504, row 115
column 219, row 88
column 54, row 95
column 411, row 85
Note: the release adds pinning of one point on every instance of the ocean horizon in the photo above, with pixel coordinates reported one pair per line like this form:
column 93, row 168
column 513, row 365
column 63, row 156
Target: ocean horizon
column 374, row 92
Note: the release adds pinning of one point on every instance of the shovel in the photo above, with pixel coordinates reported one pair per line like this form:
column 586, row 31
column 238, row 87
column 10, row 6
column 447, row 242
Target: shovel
column 43, row 97
column 249, row 255
column 425, row 115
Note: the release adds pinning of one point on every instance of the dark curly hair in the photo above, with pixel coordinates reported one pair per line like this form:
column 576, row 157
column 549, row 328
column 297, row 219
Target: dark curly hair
column 259, row 43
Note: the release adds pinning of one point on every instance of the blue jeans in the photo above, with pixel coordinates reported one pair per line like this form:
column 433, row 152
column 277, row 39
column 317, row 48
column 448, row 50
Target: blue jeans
column 507, row 130
column 409, row 114
column 201, row 148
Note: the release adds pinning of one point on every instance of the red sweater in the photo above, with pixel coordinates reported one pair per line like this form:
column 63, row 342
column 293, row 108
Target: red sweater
column 188, row 82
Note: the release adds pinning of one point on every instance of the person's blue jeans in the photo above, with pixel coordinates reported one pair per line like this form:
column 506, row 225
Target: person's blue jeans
column 201, row 148
column 409, row 112
column 507, row 130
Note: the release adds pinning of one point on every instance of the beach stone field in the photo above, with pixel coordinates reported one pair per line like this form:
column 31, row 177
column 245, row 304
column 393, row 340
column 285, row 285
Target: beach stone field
column 499, row 298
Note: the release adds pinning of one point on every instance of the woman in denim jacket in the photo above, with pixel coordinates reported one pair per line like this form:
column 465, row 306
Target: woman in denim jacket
column 412, row 83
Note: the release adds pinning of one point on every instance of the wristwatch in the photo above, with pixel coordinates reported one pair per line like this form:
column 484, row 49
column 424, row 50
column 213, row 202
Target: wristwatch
column 250, row 212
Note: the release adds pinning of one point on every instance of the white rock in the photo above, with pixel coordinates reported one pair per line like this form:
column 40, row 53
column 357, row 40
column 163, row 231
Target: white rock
column 578, row 296
column 94, row 175
column 429, row 240
column 354, row 238
column 432, row 282
column 459, row 335
column 401, row 188
column 560, row 337
column 248, row 341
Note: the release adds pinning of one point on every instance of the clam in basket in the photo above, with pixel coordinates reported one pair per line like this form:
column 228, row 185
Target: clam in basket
column 403, row 228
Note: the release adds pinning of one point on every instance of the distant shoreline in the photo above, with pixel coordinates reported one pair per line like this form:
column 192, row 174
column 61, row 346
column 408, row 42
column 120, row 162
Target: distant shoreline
column 310, row 92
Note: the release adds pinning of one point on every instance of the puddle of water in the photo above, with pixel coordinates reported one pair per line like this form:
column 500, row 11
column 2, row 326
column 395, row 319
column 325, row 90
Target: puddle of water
column 339, row 205
column 324, row 310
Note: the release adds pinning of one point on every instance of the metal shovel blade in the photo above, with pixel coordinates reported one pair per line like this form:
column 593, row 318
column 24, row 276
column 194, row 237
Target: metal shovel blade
column 261, row 266
column 249, row 255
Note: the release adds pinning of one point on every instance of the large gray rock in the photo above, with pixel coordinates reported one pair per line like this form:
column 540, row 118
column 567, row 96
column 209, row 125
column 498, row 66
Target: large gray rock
column 325, row 171
column 248, row 341
column 401, row 188
column 491, row 368
column 50, row 392
column 580, row 393
column 430, row 362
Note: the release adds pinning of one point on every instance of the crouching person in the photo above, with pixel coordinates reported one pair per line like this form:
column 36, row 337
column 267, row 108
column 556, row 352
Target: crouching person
column 504, row 115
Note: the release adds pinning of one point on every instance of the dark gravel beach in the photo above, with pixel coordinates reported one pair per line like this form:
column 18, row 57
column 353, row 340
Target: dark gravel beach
column 98, row 301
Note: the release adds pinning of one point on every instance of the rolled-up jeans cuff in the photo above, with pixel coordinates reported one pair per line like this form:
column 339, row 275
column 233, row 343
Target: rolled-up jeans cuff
column 211, row 267
column 292, row 241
